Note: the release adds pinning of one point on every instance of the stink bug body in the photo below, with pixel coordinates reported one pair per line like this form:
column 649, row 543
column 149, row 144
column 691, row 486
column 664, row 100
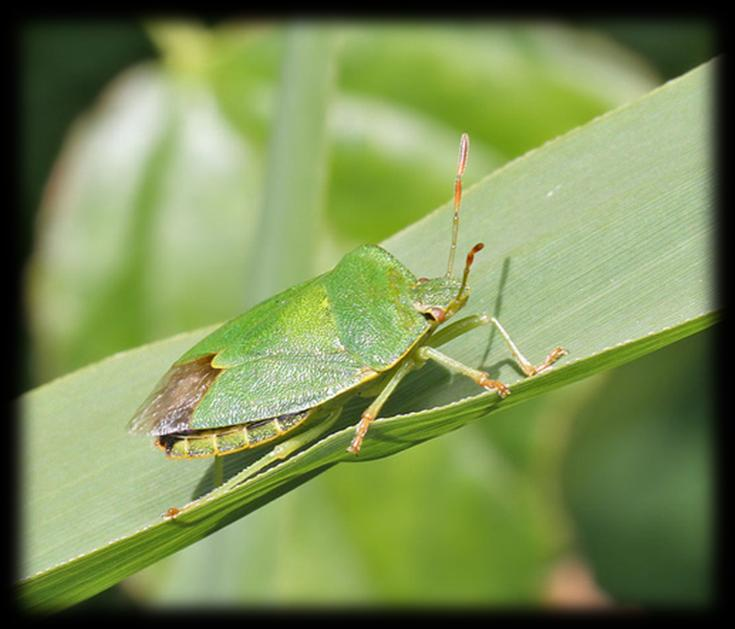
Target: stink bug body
column 295, row 358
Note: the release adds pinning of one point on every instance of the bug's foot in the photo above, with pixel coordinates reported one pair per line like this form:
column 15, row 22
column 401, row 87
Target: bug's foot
column 354, row 447
column 171, row 513
column 360, row 432
column 494, row 385
column 554, row 355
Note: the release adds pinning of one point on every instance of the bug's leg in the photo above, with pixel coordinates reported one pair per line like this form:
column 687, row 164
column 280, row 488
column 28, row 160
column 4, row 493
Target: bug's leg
column 480, row 377
column 286, row 448
column 281, row 451
column 371, row 412
column 525, row 365
column 470, row 323
column 458, row 328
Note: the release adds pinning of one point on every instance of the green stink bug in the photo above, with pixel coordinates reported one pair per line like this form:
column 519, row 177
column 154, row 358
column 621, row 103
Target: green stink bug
column 295, row 358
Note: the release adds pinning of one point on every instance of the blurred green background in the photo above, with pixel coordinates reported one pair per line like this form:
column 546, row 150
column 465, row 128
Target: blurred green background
column 174, row 173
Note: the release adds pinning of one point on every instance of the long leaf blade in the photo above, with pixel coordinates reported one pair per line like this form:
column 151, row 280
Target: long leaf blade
column 600, row 241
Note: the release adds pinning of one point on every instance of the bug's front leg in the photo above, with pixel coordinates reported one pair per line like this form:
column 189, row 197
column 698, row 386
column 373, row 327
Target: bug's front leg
column 458, row 328
column 463, row 326
column 371, row 412
column 525, row 365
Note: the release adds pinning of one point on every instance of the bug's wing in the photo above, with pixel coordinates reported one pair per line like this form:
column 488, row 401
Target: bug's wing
column 196, row 396
column 362, row 307
column 283, row 356
column 294, row 351
column 277, row 385
column 168, row 409
column 335, row 333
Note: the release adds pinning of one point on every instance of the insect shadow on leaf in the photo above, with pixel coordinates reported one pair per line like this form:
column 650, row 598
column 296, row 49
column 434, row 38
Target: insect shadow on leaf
column 494, row 369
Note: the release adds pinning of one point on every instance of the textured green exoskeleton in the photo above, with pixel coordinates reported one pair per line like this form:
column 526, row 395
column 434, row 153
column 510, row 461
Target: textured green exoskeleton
column 295, row 358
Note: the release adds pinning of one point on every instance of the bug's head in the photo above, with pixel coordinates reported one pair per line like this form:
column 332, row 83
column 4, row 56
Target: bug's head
column 439, row 298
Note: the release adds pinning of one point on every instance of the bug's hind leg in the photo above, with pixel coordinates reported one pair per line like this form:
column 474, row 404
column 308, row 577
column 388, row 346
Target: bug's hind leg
column 467, row 324
column 525, row 365
column 281, row 451
column 284, row 449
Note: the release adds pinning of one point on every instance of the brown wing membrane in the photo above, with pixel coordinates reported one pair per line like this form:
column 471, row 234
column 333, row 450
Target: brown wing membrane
column 169, row 408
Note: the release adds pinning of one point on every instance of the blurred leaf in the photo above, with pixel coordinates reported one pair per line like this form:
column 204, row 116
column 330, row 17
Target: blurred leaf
column 292, row 211
column 60, row 78
column 606, row 234
column 645, row 442
column 122, row 240
column 407, row 91
column 159, row 188
column 674, row 45
column 513, row 85
column 416, row 156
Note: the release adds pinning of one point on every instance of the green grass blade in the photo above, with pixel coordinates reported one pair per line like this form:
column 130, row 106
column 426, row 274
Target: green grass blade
column 601, row 241
column 296, row 165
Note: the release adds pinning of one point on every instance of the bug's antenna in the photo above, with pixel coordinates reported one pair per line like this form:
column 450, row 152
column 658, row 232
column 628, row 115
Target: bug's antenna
column 461, row 297
column 464, row 149
column 468, row 265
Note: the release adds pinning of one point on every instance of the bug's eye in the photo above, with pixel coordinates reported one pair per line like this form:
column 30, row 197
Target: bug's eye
column 422, row 280
column 435, row 314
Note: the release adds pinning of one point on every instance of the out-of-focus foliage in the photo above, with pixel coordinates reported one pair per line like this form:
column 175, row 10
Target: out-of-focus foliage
column 670, row 44
column 148, row 227
column 59, row 79
column 161, row 185
column 658, row 549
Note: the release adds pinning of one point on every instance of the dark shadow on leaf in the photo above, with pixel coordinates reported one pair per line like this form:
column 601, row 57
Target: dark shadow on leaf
column 265, row 498
column 498, row 306
column 231, row 464
column 400, row 443
column 494, row 369
column 414, row 392
column 234, row 463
